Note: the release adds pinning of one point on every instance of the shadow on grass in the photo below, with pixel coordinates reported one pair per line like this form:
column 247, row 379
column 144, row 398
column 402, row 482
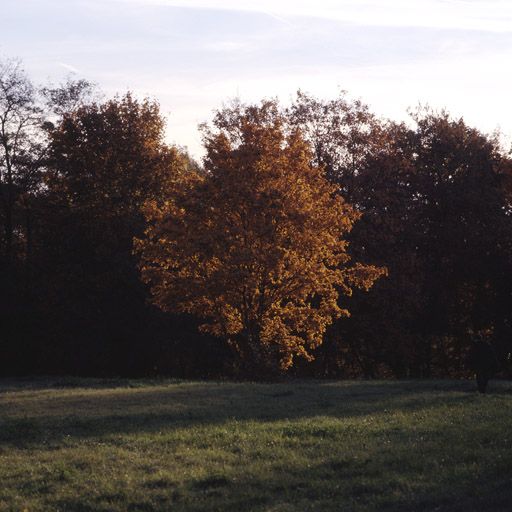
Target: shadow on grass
column 391, row 471
column 50, row 418
column 348, row 485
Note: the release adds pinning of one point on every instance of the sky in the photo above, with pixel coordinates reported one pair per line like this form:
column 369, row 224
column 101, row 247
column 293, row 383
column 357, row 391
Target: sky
column 195, row 55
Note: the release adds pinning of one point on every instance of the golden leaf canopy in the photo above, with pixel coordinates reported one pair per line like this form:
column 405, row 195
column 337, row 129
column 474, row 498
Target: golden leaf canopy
column 256, row 244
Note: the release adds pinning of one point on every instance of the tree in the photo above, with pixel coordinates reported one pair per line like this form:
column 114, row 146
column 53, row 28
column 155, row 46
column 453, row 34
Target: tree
column 105, row 160
column 462, row 216
column 255, row 246
column 341, row 134
column 20, row 147
column 26, row 112
column 436, row 214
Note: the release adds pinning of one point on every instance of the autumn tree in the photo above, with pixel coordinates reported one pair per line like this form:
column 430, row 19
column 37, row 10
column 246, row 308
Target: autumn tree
column 105, row 159
column 256, row 245
column 436, row 214
column 344, row 136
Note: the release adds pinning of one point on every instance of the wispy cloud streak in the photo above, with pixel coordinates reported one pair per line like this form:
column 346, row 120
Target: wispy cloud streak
column 488, row 15
column 68, row 67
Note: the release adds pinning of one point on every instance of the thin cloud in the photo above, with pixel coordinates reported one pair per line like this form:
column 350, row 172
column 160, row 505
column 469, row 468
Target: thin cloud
column 489, row 15
column 282, row 20
column 68, row 67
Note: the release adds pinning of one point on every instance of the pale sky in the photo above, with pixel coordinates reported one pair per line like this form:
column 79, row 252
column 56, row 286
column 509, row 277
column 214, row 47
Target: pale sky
column 193, row 55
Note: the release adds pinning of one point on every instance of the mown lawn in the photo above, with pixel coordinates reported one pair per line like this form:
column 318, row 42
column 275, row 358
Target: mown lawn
column 90, row 445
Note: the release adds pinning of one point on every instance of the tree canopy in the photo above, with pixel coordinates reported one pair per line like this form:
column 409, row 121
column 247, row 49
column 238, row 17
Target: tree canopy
column 268, row 255
column 256, row 245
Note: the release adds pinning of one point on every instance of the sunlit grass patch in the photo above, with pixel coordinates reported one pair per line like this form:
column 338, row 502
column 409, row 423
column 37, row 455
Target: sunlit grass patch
column 122, row 445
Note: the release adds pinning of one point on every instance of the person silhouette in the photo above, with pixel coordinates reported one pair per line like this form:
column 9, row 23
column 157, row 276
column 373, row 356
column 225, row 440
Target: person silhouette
column 482, row 360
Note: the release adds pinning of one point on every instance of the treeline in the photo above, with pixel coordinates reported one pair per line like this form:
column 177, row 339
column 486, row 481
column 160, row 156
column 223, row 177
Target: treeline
column 422, row 212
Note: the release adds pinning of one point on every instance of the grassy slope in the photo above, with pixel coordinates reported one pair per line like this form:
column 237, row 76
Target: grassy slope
column 397, row 446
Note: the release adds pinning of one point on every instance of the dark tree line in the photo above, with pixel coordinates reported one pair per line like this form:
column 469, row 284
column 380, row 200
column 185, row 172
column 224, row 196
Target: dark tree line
column 76, row 171
column 436, row 212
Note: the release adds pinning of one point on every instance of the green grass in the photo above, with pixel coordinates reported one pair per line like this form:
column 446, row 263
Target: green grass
column 90, row 445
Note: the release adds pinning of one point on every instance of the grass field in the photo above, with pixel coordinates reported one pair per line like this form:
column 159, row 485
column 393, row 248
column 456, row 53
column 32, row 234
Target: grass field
column 90, row 445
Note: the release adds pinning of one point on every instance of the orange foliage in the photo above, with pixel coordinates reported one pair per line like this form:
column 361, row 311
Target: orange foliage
column 255, row 245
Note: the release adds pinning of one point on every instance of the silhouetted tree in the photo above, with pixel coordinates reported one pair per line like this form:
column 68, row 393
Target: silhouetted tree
column 435, row 212
column 105, row 160
column 26, row 114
